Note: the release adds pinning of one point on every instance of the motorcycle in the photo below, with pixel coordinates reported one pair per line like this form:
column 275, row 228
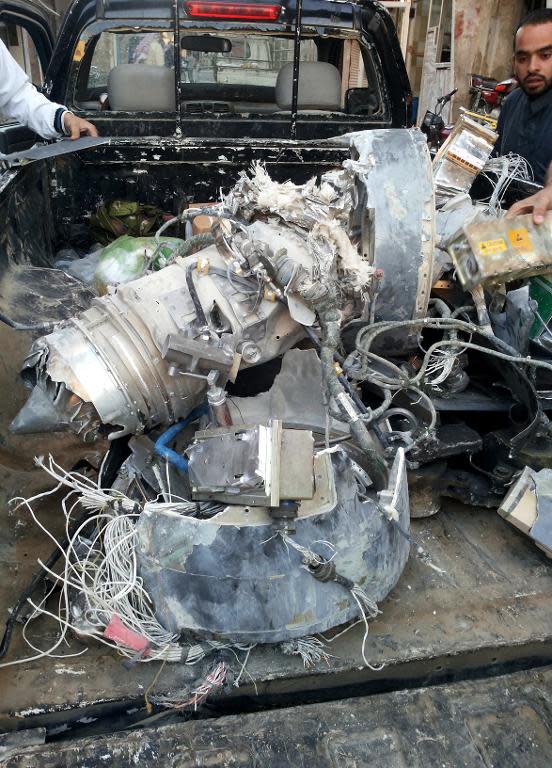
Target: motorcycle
column 488, row 94
column 433, row 124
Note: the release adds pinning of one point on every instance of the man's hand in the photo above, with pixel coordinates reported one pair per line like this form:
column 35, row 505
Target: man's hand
column 537, row 204
column 75, row 126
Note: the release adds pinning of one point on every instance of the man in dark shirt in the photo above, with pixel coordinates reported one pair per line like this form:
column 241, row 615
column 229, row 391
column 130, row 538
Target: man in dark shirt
column 525, row 122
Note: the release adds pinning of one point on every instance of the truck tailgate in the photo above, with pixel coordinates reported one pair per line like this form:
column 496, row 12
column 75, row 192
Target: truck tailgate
column 503, row 721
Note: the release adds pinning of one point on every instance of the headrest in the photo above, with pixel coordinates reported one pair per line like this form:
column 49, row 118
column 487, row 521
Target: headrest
column 319, row 86
column 141, row 87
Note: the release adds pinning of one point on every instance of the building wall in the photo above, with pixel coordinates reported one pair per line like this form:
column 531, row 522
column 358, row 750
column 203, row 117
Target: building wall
column 483, row 31
column 416, row 44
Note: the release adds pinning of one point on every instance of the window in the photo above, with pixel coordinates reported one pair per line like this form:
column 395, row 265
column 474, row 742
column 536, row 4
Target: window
column 21, row 46
column 112, row 49
column 253, row 61
column 227, row 72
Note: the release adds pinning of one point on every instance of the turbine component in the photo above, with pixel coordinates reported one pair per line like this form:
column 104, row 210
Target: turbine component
column 139, row 357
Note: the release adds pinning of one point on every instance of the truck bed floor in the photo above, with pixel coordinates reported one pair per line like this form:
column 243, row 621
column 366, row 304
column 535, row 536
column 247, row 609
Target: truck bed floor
column 489, row 607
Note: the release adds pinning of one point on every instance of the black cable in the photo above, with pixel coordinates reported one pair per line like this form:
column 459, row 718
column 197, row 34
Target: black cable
column 35, row 581
column 200, row 314
column 44, row 327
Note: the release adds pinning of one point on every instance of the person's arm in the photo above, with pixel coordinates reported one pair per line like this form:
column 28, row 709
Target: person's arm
column 538, row 204
column 20, row 99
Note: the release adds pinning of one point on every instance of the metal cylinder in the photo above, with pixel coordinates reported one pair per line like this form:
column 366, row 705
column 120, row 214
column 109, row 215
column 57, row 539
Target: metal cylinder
column 216, row 397
column 111, row 356
column 138, row 357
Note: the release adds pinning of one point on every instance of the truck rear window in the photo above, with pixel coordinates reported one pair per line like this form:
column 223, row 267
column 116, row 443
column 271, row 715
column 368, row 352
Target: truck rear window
column 236, row 72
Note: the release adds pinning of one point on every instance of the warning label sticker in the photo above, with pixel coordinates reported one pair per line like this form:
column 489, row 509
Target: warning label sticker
column 490, row 247
column 520, row 239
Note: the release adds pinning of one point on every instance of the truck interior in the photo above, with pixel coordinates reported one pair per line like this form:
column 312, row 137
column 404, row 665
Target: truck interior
column 227, row 74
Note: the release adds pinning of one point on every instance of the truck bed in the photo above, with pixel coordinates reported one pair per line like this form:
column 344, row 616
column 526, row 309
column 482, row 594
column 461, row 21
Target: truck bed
column 488, row 610
column 502, row 721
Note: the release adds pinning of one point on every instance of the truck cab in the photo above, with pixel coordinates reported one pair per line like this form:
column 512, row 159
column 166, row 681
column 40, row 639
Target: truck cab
column 213, row 70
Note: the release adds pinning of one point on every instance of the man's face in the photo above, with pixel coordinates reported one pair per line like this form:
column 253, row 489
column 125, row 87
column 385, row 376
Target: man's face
column 533, row 58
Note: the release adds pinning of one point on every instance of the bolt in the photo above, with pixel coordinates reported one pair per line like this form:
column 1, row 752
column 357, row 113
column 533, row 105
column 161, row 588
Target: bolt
column 250, row 352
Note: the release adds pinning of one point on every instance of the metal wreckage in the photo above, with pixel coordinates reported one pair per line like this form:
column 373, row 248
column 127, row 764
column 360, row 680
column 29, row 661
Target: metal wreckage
column 279, row 383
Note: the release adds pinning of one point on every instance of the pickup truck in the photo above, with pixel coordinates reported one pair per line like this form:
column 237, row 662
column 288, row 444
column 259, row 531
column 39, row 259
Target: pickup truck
column 454, row 674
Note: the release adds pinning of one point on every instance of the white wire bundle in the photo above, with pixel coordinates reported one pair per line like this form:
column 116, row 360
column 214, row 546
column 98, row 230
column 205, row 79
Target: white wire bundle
column 106, row 575
column 440, row 366
column 368, row 608
column 507, row 168
column 309, row 648
column 215, row 679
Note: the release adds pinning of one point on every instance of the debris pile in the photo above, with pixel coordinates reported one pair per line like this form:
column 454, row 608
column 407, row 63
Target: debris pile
column 275, row 382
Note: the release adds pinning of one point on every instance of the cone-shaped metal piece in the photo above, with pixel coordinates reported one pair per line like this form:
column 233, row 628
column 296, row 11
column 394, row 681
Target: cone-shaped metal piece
column 39, row 414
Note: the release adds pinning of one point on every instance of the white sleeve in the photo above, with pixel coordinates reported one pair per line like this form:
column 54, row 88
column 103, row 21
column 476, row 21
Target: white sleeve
column 20, row 99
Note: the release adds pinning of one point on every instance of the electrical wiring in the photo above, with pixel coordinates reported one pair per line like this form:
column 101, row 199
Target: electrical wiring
column 368, row 334
column 310, row 649
column 105, row 574
column 322, row 569
column 505, row 169
column 214, row 680
column 443, row 362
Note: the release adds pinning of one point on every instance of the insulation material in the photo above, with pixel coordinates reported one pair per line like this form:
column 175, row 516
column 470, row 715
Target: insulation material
column 318, row 213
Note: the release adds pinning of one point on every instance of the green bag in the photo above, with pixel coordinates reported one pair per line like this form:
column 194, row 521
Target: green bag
column 127, row 258
column 124, row 217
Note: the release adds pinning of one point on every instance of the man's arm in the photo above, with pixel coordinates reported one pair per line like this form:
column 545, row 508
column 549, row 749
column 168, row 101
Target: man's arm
column 20, row 99
column 537, row 204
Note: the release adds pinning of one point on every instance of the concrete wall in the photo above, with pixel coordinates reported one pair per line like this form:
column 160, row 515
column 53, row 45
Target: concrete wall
column 483, row 32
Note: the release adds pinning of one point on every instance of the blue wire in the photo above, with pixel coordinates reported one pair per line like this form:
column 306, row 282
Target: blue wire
column 161, row 445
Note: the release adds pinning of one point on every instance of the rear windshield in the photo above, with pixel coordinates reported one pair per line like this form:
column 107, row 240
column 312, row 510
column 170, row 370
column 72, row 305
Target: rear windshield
column 224, row 73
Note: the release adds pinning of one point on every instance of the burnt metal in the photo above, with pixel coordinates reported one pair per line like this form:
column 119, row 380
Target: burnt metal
column 36, row 298
column 536, row 452
column 434, row 625
column 472, row 488
column 232, row 577
column 395, row 223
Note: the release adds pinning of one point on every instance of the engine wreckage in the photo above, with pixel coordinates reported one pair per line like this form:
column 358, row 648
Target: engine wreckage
column 274, row 385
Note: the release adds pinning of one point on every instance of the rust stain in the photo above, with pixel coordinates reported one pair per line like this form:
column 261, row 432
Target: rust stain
column 459, row 25
column 301, row 618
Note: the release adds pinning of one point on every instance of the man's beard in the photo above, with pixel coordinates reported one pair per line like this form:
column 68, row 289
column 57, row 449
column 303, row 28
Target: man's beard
column 547, row 84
